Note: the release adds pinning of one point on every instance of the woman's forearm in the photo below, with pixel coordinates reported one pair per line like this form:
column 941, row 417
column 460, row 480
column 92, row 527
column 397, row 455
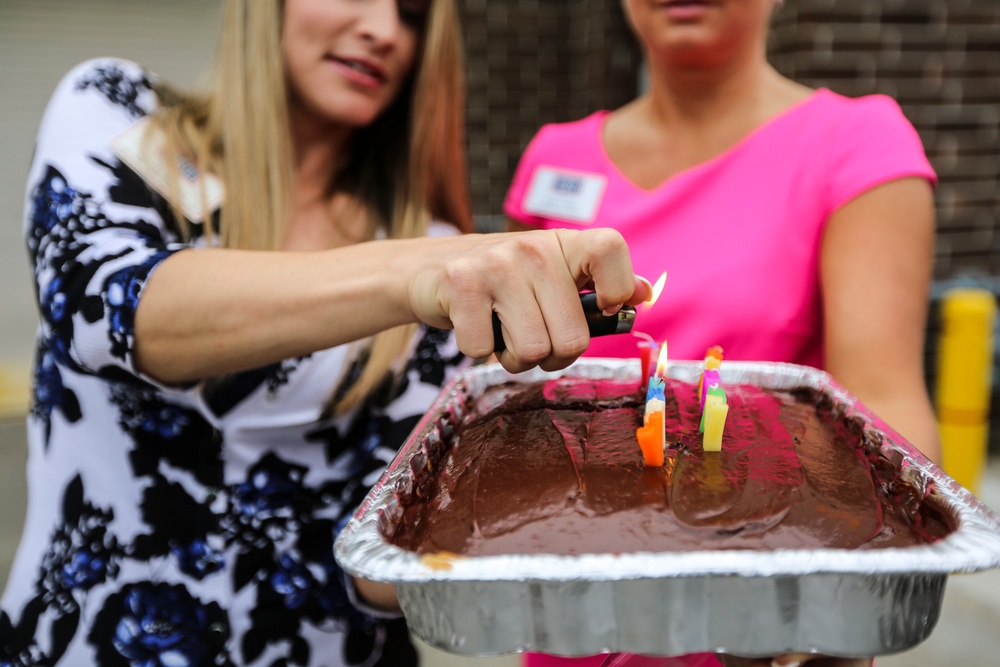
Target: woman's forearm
column 876, row 270
column 210, row 311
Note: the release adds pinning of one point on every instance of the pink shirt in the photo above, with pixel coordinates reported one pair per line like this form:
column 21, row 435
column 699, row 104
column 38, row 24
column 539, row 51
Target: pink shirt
column 739, row 234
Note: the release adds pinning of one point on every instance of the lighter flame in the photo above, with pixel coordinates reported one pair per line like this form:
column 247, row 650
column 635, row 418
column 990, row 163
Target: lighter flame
column 657, row 289
column 661, row 361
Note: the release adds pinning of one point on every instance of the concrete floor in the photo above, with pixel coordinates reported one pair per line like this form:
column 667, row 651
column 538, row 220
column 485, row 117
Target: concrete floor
column 968, row 633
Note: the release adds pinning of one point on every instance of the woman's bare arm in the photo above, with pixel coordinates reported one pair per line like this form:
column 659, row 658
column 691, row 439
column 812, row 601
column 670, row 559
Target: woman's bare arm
column 206, row 312
column 876, row 266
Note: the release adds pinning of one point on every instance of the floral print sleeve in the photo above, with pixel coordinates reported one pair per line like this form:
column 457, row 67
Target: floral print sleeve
column 94, row 230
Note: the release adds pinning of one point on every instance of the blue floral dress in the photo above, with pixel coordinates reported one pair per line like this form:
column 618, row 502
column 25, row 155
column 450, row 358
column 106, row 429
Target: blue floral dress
column 176, row 527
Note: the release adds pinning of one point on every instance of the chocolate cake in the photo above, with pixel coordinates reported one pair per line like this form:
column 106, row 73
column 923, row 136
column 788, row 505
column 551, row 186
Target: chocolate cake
column 554, row 467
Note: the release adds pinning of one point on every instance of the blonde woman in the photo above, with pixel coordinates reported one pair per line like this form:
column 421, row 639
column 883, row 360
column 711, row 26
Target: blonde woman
column 242, row 316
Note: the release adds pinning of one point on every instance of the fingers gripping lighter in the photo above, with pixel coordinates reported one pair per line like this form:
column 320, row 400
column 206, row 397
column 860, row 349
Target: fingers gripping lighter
column 597, row 323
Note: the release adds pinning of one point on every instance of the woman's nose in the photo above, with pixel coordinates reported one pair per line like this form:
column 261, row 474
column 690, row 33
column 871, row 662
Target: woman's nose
column 380, row 22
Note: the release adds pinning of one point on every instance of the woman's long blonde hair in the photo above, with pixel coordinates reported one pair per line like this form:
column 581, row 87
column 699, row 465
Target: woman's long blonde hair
column 407, row 167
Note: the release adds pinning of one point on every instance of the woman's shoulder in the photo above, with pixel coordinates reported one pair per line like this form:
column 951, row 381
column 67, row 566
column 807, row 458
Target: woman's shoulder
column 569, row 136
column 574, row 144
column 876, row 109
column 574, row 127
column 866, row 141
column 871, row 125
column 122, row 86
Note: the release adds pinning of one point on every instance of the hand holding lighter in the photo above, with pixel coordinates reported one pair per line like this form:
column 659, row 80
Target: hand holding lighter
column 598, row 323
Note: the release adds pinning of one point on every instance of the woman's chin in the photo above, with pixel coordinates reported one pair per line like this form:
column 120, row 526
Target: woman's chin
column 342, row 113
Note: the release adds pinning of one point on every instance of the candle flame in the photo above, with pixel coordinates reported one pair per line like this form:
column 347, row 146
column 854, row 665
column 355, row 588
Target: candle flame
column 661, row 361
column 657, row 289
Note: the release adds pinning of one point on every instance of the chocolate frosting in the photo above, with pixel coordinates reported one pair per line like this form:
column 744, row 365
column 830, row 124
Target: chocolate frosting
column 554, row 467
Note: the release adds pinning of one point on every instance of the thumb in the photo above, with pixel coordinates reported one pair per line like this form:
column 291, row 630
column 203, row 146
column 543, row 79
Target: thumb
column 599, row 257
column 643, row 291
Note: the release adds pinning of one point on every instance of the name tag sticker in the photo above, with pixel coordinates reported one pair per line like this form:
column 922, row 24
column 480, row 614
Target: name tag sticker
column 574, row 196
column 141, row 148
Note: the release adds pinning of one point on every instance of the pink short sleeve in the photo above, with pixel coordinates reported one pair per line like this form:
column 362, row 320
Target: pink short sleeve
column 875, row 144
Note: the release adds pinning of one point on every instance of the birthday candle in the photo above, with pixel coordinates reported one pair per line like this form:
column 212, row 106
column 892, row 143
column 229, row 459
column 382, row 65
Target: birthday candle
column 655, row 389
column 713, row 390
column 652, row 434
column 655, row 396
column 713, row 359
column 646, row 350
column 651, row 440
column 711, row 376
column 656, row 403
column 716, row 411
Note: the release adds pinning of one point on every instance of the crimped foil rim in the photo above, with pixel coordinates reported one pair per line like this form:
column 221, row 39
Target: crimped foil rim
column 974, row 545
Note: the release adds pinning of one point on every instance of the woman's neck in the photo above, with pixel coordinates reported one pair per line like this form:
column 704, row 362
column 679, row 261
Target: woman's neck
column 693, row 96
column 319, row 151
column 319, row 219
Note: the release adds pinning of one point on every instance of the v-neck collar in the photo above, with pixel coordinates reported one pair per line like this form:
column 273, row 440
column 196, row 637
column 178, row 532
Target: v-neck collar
column 727, row 154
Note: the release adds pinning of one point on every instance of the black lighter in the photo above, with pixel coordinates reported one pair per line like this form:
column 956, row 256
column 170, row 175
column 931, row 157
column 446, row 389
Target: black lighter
column 598, row 323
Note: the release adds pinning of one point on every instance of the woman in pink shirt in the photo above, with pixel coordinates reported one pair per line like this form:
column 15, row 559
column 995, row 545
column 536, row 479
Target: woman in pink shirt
column 797, row 225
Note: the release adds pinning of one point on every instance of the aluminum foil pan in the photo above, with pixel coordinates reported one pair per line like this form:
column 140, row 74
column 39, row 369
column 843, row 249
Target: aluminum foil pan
column 751, row 603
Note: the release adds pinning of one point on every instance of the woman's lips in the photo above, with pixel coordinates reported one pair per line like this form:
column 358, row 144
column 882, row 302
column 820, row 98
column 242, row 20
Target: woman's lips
column 360, row 72
column 686, row 10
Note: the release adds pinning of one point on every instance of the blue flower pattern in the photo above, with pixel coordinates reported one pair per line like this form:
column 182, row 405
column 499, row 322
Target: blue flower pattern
column 118, row 87
column 292, row 581
column 48, row 385
column 266, row 495
column 167, row 421
column 158, row 625
column 122, row 298
column 84, row 570
column 198, row 559
column 59, row 213
column 83, row 553
column 53, row 203
column 49, row 392
column 53, row 301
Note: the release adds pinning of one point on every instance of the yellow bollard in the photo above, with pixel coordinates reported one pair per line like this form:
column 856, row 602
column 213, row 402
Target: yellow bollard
column 965, row 363
column 15, row 387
